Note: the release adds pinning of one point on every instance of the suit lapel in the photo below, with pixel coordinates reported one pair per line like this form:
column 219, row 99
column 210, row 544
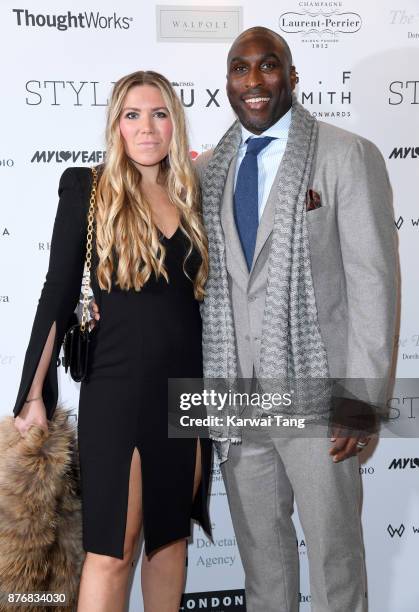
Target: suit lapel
column 236, row 262
column 267, row 220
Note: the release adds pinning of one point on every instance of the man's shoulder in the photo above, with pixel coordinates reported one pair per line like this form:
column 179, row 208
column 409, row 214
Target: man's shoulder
column 337, row 142
column 201, row 162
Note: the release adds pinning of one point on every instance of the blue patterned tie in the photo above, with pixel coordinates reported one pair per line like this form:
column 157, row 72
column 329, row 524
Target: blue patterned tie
column 246, row 197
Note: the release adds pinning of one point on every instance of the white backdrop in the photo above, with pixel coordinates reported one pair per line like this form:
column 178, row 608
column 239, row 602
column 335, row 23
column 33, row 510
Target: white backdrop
column 361, row 74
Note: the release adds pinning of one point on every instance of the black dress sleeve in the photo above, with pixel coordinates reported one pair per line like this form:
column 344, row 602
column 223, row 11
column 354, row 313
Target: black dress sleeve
column 62, row 285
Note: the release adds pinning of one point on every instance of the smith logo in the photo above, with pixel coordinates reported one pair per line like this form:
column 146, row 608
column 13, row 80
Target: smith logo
column 403, row 152
column 402, row 464
column 85, row 20
column 319, row 23
column 392, row 531
column 217, row 601
column 59, row 157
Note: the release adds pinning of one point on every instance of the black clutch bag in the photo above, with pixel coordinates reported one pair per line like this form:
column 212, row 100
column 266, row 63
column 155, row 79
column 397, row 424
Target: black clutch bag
column 77, row 338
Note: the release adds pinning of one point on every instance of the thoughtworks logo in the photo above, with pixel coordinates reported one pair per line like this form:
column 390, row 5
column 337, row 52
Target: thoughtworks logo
column 63, row 22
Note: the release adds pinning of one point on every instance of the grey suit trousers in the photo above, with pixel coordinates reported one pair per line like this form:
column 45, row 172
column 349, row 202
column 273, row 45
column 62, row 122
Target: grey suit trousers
column 262, row 476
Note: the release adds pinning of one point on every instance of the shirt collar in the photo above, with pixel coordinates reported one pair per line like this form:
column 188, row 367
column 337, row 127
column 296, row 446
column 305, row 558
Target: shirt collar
column 279, row 129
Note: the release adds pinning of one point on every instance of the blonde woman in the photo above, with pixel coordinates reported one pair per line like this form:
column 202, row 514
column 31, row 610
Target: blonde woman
column 150, row 264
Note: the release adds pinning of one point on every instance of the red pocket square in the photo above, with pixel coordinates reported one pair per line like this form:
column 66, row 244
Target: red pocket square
column 313, row 200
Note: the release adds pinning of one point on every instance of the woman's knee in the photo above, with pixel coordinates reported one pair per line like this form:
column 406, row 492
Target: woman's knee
column 168, row 555
column 113, row 565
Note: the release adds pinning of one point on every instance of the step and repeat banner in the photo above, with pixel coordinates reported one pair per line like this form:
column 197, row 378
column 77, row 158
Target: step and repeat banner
column 358, row 62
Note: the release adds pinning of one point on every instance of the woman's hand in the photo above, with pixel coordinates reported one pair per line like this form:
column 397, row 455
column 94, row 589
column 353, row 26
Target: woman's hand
column 33, row 413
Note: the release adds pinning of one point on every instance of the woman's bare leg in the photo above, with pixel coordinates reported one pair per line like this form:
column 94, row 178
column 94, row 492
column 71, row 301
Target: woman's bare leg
column 163, row 572
column 104, row 579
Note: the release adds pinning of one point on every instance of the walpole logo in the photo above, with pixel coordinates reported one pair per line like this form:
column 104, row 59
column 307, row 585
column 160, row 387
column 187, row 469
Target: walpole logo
column 402, row 464
column 198, row 23
column 392, row 531
column 59, row 157
column 319, row 26
column 64, row 21
column 217, row 601
column 403, row 152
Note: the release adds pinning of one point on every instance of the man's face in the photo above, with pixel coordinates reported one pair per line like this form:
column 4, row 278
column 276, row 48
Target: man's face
column 260, row 81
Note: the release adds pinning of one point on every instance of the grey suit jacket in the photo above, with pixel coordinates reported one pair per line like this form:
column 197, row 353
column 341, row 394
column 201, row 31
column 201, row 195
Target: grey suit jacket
column 353, row 258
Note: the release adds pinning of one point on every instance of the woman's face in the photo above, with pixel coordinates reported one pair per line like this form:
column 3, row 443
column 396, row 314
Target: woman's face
column 145, row 124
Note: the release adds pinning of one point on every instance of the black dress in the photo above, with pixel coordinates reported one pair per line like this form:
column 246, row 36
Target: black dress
column 142, row 339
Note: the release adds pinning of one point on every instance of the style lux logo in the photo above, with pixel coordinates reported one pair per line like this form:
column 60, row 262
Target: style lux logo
column 404, row 91
column 94, row 21
column 59, row 157
column 187, row 94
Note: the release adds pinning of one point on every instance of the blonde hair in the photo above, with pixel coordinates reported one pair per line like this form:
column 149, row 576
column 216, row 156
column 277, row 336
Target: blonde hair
column 124, row 226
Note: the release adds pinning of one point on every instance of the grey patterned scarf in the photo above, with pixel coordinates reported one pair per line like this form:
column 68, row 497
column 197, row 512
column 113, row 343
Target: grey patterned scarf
column 291, row 347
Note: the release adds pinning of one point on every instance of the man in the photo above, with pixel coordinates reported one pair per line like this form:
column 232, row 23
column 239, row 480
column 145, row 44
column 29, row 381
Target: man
column 302, row 280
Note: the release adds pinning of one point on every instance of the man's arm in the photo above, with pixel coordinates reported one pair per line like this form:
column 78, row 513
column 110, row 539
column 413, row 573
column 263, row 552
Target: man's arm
column 369, row 253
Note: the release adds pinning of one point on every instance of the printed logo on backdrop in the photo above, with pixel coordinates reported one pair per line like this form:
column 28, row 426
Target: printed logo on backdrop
column 89, row 20
column 198, row 23
column 404, row 153
column 329, row 98
column 406, row 407
column 220, row 552
column 189, row 95
column 320, row 24
column 403, row 92
column 59, row 157
column 404, row 463
column 366, row 470
column 407, row 20
column 217, row 601
column 67, row 93
column 6, row 163
column 402, row 222
column 95, row 93
column 400, row 531
column 411, row 344
column 392, row 531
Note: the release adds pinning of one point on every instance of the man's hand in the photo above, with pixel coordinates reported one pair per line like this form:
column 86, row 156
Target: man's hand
column 346, row 446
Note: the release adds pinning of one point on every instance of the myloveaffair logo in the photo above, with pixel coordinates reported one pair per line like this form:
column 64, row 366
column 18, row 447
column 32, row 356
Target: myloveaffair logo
column 64, row 21
column 59, row 157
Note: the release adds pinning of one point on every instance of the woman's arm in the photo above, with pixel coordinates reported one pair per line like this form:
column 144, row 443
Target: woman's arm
column 59, row 295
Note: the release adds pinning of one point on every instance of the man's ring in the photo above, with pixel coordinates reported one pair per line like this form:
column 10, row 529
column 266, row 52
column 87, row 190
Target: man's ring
column 361, row 444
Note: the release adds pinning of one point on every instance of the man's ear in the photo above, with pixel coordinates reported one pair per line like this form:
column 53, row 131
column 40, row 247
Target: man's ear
column 294, row 78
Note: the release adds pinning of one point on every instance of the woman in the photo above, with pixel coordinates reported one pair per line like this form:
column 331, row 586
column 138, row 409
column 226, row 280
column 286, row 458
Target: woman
column 149, row 268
